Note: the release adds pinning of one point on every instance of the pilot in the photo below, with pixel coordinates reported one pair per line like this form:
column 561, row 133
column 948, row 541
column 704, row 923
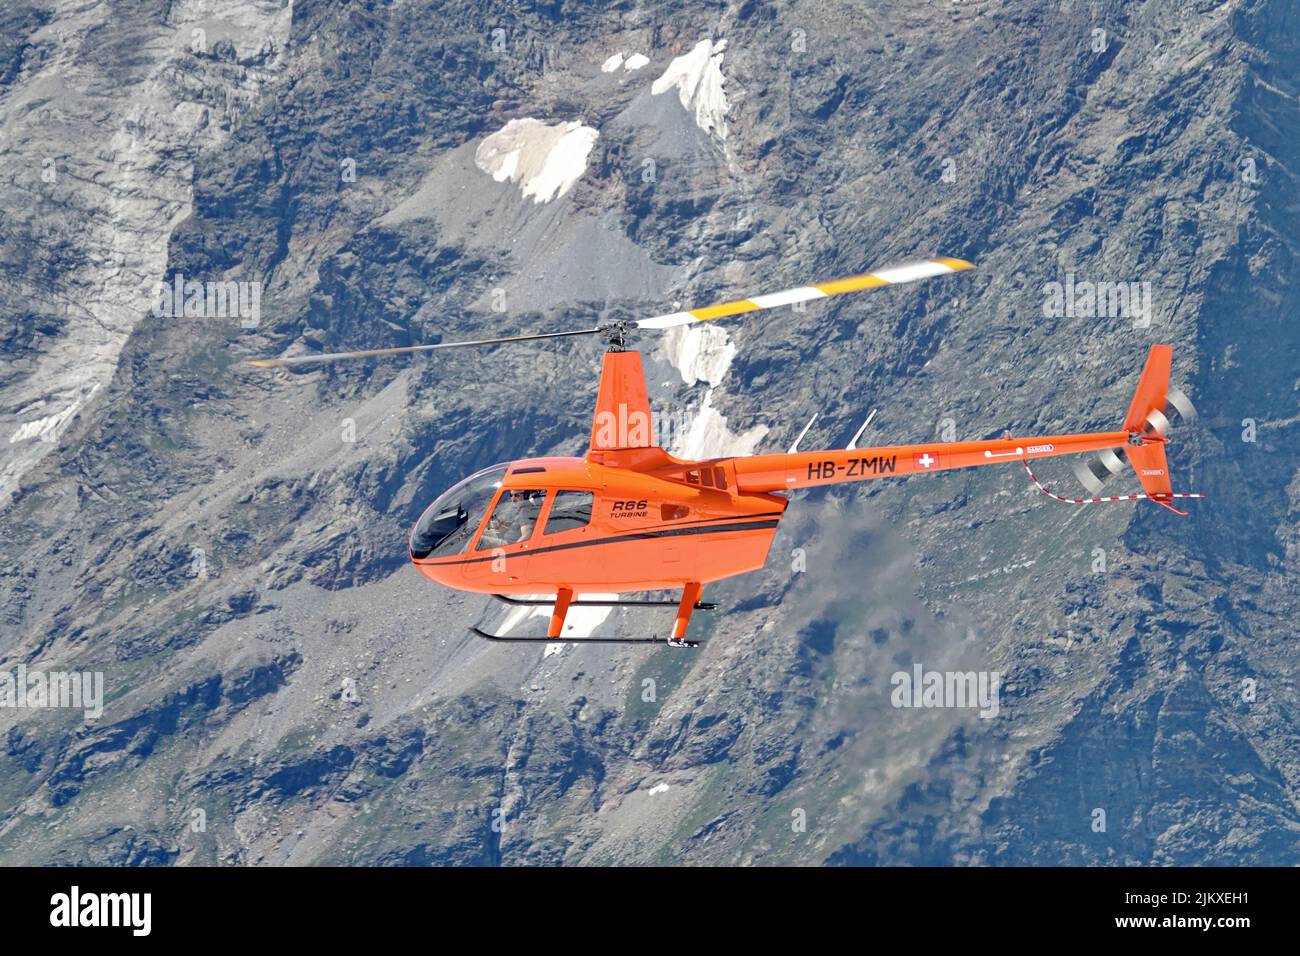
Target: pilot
column 514, row 518
column 529, row 504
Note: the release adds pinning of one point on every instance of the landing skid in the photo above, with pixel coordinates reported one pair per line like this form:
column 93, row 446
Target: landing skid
column 564, row 600
column 545, row 602
column 583, row 640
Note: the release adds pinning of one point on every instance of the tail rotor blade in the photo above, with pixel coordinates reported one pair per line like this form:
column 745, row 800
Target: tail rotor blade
column 1182, row 404
column 1156, row 422
column 1095, row 472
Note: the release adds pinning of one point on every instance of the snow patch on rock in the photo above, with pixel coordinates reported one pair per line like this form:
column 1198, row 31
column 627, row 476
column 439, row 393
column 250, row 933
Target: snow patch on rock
column 48, row 428
column 704, row 353
column 709, row 436
column 697, row 77
column 701, row 353
column 628, row 61
column 545, row 161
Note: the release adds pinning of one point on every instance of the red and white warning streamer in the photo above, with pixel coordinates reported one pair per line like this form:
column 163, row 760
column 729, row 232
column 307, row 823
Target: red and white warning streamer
column 1093, row 501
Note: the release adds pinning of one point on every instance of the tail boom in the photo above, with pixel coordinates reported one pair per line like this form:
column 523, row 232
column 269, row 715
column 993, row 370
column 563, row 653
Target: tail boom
column 1143, row 440
column 811, row 469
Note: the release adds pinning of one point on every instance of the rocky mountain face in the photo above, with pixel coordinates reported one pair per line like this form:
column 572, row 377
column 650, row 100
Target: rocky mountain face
column 226, row 546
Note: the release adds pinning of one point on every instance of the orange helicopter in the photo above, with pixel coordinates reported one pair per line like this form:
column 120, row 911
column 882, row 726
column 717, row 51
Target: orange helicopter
column 629, row 517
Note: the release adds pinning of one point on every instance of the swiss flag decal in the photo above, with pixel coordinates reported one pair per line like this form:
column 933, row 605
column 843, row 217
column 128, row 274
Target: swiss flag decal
column 925, row 462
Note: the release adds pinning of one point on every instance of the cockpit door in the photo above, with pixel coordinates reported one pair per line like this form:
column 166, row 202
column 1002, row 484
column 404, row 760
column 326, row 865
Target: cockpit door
column 507, row 535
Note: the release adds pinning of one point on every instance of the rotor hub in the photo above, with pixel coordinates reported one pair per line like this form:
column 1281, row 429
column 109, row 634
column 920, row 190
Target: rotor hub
column 616, row 334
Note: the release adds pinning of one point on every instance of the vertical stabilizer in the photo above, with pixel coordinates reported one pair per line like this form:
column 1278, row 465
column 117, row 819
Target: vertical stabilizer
column 622, row 418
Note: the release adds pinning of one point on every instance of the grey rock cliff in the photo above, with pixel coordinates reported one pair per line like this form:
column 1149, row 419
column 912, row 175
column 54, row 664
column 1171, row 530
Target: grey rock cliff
column 206, row 536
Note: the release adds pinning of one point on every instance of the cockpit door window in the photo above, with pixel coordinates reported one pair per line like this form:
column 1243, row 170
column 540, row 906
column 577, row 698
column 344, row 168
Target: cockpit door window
column 514, row 519
column 569, row 510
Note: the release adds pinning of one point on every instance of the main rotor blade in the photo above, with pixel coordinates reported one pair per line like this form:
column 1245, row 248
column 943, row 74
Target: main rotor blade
column 371, row 353
column 895, row 275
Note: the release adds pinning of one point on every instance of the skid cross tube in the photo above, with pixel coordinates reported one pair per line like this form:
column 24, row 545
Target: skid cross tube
column 565, row 599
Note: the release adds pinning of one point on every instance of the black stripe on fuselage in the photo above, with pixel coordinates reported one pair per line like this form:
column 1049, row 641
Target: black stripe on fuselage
column 656, row 527
column 614, row 539
column 682, row 524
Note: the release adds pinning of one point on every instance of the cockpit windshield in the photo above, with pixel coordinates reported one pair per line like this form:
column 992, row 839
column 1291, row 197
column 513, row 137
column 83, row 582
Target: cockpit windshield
column 448, row 524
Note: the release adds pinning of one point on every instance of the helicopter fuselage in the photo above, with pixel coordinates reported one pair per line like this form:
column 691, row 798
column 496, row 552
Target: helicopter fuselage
column 628, row 516
column 593, row 526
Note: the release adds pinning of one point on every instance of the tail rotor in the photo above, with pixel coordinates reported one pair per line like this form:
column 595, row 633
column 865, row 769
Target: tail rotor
column 1147, row 426
column 1093, row 473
